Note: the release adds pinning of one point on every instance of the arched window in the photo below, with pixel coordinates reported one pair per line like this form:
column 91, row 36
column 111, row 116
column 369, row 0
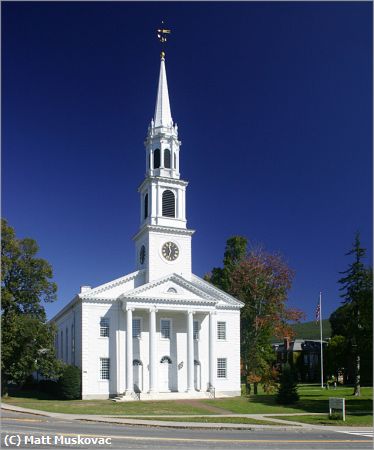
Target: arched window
column 165, row 359
column 172, row 290
column 168, row 204
column 175, row 160
column 137, row 362
column 156, row 159
column 167, row 161
column 145, row 206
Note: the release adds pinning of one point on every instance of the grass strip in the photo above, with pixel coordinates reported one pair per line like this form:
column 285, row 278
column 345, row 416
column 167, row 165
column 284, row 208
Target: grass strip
column 237, row 420
column 356, row 420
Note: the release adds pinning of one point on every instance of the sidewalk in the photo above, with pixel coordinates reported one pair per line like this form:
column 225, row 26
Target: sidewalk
column 127, row 420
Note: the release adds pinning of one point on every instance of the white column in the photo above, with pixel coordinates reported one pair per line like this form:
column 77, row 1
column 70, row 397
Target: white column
column 212, row 336
column 129, row 357
column 190, row 355
column 152, row 351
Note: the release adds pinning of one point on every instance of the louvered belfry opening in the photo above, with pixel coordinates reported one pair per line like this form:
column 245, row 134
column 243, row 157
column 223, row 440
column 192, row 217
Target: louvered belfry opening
column 168, row 204
column 156, row 159
column 145, row 206
column 167, row 158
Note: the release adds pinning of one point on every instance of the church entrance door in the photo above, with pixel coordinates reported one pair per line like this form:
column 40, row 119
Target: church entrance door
column 165, row 374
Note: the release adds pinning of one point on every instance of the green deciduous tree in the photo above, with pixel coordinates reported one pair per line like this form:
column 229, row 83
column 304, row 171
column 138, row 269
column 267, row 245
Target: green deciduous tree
column 354, row 319
column 336, row 354
column 26, row 282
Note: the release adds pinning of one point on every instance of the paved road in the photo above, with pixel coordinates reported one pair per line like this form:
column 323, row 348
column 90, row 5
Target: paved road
column 135, row 437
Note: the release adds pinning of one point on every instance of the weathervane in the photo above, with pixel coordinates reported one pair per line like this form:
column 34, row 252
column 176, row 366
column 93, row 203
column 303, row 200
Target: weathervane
column 162, row 36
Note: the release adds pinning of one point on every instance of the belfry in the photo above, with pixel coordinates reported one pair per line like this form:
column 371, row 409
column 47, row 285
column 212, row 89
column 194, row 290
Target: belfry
column 160, row 332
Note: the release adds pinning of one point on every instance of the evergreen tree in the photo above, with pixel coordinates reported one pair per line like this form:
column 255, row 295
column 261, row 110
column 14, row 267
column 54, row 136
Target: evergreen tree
column 69, row 384
column 357, row 288
column 287, row 391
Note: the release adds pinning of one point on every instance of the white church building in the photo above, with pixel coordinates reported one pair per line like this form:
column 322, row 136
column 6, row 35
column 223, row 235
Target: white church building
column 160, row 332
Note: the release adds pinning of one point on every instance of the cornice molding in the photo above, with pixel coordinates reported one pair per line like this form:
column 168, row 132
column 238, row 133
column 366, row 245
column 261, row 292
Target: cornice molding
column 163, row 229
column 107, row 286
column 157, row 180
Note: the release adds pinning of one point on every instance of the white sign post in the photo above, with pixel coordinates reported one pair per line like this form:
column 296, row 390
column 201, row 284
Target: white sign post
column 337, row 404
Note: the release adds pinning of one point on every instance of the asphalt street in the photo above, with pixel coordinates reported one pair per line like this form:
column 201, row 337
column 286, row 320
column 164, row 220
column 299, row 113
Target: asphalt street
column 30, row 431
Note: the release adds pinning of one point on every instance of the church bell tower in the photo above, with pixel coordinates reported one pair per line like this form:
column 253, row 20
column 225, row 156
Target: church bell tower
column 163, row 243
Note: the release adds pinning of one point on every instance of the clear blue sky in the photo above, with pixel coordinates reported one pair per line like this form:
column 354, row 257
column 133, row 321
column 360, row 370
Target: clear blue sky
column 274, row 107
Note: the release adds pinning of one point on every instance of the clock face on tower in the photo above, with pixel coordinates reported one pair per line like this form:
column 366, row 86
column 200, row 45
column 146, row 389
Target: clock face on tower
column 142, row 254
column 170, row 251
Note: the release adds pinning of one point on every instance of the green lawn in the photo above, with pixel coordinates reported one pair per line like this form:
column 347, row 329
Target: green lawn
column 246, row 420
column 105, row 407
column 357, row 420
column 313, row 399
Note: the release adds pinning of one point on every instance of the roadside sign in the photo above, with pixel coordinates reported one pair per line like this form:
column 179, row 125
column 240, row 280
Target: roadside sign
column 337, row 405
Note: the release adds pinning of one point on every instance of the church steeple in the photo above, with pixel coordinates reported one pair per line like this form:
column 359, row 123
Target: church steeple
column 162, row 116
column 163, row 242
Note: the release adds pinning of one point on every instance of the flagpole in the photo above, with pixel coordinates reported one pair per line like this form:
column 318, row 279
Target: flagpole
column 320, row 329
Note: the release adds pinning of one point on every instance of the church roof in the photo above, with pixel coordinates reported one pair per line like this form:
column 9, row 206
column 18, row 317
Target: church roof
column 162, row 112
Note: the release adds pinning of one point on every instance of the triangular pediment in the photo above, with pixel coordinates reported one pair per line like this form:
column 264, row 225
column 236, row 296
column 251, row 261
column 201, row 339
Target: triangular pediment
column 172, row 288
column 177, row 289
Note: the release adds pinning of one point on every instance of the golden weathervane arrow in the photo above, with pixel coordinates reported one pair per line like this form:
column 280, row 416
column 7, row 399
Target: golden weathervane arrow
column 162, row 36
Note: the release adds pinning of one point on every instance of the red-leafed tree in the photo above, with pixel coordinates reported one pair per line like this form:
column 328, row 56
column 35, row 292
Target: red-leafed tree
column 261, row 280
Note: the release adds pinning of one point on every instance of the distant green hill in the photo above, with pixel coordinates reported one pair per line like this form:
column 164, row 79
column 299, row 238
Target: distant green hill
column 310, row 330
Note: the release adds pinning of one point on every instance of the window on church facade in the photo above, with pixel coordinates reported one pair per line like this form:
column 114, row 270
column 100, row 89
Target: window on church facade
column 104, row 368
column 136, row 328
column 168, row 204
column 104, row 327
column 145, row 206
column 221, row 330
column 221, row 367
column 175, row 161
column 156, row 159
column 165, row 328
column 167, row 158
column 196, row 330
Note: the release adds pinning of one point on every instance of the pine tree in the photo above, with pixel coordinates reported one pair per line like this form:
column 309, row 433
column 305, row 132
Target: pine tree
column 287, row 391
column 356, row 287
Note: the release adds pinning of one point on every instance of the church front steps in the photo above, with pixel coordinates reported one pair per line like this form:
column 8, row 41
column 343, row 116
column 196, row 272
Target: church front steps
column 144, row 396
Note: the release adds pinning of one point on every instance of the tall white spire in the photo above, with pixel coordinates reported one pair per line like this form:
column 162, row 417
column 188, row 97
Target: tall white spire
column 162, row 112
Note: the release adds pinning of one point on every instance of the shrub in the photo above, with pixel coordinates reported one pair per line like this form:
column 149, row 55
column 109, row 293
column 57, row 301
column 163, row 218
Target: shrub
column 49, row 387
column 69, row 384
column 287, row 391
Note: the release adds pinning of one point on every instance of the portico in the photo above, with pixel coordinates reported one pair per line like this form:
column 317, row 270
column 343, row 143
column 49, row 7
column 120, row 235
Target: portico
column 157, row 353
